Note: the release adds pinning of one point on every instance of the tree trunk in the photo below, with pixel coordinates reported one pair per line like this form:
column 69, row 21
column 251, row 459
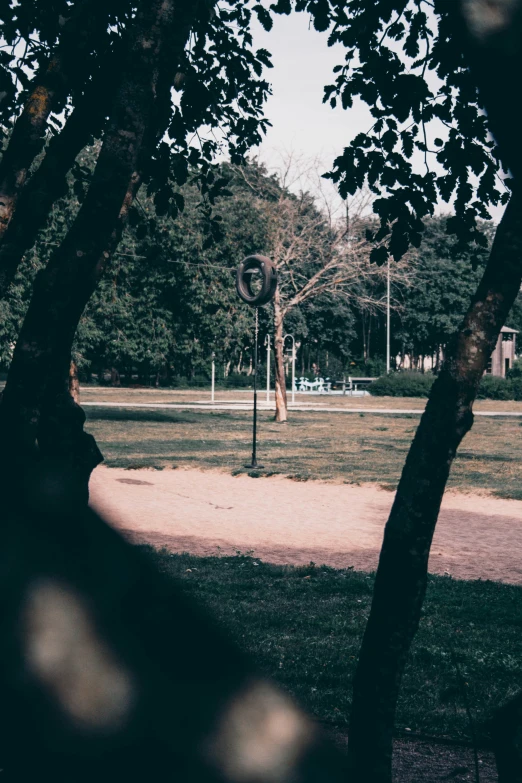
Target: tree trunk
column 74, row 383
column 402, row 572
column 38, row 418
column 47, row 94
column 506, row 735
column 49, row 182
column 115, row 377
column 281, row 414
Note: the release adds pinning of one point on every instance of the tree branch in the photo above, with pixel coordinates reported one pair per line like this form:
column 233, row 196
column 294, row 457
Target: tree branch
column 49, row 182
column 48, row 93
column 37, row 381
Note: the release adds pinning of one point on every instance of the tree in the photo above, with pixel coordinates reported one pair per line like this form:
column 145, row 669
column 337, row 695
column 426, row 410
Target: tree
column 396, row 88
column 442, row 284
column 218, row 76
column 316, row 253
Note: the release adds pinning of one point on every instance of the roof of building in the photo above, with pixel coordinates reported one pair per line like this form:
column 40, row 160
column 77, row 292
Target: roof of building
column 509, row 330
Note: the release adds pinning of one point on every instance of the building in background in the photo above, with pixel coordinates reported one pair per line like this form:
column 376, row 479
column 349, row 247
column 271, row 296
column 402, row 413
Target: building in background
column 504, row 353
column 501, row 360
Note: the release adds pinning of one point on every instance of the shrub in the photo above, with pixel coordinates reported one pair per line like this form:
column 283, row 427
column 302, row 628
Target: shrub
column 516, row 388
column 493, row 388
column 237, row 380
column 516, row 370
column 402, row 384
column 179, row 382
column 200, row 380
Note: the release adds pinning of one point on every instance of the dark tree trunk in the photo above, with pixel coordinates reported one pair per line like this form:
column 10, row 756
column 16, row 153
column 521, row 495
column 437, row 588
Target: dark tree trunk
column 47, row 94
column 115, row 377
column 402, row 572
column 38, row 417
column 49, row 182
column 506, row 735
column 281, row 414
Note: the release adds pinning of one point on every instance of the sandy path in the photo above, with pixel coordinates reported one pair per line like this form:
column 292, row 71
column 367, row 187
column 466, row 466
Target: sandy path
column 198, row 511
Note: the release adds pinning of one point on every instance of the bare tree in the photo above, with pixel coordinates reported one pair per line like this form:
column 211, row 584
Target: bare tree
column 318, row 245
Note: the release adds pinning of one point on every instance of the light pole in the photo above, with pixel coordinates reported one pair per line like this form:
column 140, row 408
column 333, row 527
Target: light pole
column 267, row 343
column 291, row 336
column 388, row 320
column 213, row 382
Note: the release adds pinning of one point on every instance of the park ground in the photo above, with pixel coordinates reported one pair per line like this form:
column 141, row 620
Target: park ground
column 175, row 479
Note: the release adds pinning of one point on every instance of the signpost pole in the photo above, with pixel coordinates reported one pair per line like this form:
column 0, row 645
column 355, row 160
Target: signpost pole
column 254, row 427
column 268, row 368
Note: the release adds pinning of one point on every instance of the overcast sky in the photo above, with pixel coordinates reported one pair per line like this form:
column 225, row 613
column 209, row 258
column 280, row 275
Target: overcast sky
column 303, row 64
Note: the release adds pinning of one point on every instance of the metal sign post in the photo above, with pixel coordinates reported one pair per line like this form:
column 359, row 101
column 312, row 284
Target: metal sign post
column 254, row 425
column 213, row 377
column 264, row 272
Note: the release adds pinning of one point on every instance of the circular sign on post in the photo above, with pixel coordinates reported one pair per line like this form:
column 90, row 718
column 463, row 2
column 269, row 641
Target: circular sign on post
column 256, row 280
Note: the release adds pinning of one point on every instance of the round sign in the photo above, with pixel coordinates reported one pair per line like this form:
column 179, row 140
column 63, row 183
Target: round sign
column 256, row 280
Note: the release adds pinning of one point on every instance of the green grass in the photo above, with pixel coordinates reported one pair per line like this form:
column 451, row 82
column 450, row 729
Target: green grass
column 303, row 627
column 329, row 446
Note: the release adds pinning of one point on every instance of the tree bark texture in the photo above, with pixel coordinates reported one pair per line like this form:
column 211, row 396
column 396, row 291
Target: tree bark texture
column 51, row 88
column 74, row 382
column 49, row 182
column 402, row 572
column 37, row 414
column 281, row 414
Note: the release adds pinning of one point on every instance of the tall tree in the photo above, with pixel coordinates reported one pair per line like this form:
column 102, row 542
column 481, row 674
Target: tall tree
column 316, row 251
column 390, row 48
column 219, row 86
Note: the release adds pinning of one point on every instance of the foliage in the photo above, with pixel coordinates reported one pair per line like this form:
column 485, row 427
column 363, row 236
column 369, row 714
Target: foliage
column 495, row 388
column 402, row 384
column 440, row 291
column 430, row 140
column 515, row 370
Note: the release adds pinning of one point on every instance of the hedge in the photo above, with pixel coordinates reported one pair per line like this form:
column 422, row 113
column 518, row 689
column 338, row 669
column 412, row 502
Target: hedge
column 402, row 384
column 416, row 384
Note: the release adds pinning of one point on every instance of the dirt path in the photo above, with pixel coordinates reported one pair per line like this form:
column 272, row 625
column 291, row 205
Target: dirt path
column 284, row 521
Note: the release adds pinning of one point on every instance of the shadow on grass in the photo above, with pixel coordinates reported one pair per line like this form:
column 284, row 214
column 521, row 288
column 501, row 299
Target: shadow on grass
column 303, row 626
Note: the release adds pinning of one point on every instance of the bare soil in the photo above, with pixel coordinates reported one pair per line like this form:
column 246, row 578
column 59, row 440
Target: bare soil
column 281, row 520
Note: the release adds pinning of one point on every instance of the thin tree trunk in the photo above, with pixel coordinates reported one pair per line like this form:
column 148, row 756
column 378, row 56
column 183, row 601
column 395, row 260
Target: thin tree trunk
column 400, row 583
column 37, row 415
column 281, row 414
column 74, row 382
column 48, row 93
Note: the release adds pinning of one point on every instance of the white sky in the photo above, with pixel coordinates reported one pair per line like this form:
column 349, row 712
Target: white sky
column 303, row 64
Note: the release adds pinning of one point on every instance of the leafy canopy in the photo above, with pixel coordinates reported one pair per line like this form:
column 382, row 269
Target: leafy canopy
column 429, row 140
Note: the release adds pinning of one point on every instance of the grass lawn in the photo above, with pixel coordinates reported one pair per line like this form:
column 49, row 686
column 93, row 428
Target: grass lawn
column 303, row 627
column 355, row 448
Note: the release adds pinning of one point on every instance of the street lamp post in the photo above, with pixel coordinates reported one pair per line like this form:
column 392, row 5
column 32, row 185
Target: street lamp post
column 291, row 336
column 213, row 382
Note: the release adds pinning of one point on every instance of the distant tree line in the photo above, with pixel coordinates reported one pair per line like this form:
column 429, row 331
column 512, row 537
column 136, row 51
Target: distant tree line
column 168, row 302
